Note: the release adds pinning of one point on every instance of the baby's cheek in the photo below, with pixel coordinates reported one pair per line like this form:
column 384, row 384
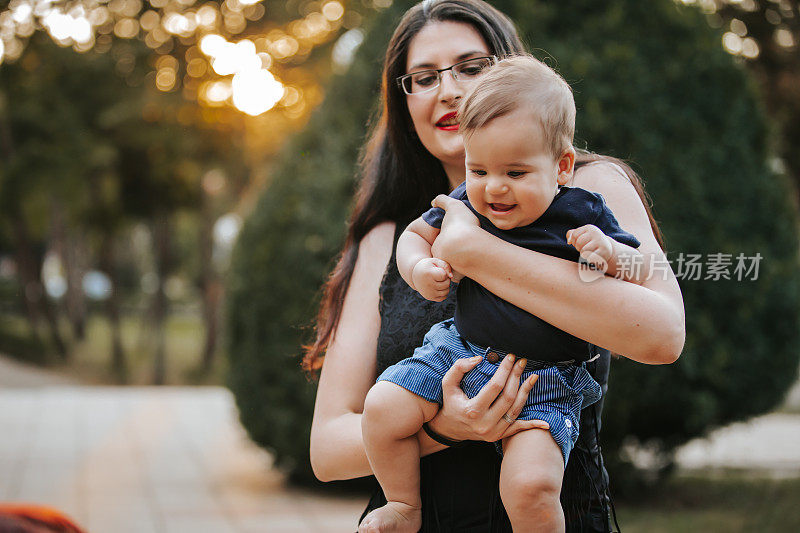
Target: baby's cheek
column 473, row 190
column 475, row 197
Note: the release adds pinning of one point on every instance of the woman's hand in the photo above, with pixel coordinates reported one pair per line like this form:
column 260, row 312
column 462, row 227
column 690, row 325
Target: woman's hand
column 459, row 222
column 481, row 418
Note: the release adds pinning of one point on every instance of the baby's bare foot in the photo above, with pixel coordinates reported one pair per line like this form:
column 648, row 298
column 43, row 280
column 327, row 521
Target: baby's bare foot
column 394, row 517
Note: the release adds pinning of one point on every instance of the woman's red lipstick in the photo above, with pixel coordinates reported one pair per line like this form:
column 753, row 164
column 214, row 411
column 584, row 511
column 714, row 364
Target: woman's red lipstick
column 448, row 122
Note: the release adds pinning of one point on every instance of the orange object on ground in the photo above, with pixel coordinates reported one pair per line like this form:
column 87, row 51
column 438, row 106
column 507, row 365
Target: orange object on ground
column 29, row 518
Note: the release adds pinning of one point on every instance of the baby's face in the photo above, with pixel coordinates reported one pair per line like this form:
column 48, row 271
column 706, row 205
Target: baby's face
column 511, row 176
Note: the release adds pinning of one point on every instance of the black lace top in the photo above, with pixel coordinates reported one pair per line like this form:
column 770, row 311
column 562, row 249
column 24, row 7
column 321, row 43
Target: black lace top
column 460, row 485
column 405, row 315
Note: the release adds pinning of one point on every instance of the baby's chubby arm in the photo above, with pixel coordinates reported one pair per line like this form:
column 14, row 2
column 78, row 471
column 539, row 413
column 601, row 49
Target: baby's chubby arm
column 609, row 255
column 425, row 274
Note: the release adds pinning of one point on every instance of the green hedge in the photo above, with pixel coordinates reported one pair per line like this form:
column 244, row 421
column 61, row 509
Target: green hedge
column 652, row 85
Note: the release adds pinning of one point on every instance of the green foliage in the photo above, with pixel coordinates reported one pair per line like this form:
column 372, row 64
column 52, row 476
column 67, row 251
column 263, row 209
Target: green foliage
column 652, row 85
column 283, row 254
column 17, row 340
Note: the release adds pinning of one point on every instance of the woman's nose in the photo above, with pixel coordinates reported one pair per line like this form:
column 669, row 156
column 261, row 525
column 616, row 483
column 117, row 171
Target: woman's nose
column 449, row 89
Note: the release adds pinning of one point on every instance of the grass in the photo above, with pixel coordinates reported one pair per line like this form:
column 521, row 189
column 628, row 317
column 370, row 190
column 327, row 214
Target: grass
column 90, row 359
column 730, row 504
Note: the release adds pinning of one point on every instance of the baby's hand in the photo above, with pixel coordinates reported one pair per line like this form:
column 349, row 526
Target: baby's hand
column 431, row 278
column 594, row 246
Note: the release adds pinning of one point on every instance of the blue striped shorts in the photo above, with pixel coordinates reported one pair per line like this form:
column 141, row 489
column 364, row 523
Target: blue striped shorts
column 558, row 396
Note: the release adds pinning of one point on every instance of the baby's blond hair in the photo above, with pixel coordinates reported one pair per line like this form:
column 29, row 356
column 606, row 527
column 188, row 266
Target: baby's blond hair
column 522, row 82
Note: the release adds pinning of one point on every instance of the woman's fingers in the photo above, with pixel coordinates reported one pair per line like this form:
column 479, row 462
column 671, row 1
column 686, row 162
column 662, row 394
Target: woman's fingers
column 443, row 201
column 440, row 275
column 451, row 381
column 510, row 393
column 495, row 386
column 447, row 269
column 521, row 396
column 444, row 267
column 522, row 425
column 456, row 212
column 516, row 409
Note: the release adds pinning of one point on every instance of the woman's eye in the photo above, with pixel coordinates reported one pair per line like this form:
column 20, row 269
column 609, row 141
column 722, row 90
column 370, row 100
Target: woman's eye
column 425, row 80
column 470, row 71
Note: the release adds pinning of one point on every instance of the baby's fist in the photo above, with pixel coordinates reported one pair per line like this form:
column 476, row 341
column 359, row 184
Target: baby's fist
column 431, row 278
column 594, row 246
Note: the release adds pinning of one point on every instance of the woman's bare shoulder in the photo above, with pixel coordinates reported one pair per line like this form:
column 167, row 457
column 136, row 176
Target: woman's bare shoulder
column 602, row 177
column 378, row 242
column 610, row 180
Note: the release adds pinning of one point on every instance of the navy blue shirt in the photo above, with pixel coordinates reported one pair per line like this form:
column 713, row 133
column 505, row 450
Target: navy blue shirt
column 487, row 320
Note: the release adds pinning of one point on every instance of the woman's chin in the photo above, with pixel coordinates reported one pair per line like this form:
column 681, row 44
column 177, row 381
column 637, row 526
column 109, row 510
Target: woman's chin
column 452, row 154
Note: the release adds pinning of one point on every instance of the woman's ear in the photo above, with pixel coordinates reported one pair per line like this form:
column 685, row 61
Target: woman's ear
column 566, row 164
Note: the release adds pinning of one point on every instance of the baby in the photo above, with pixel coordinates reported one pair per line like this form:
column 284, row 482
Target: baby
column 517, row 122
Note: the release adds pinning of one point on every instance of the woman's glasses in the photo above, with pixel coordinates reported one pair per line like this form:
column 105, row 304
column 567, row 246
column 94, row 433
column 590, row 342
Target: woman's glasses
column 428, row 80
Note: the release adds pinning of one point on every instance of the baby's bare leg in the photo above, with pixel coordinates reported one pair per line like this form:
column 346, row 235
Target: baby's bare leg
column 392, row 418
column 530, row 481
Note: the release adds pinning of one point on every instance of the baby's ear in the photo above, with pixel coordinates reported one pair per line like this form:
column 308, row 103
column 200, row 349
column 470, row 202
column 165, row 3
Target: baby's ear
column 565, row 164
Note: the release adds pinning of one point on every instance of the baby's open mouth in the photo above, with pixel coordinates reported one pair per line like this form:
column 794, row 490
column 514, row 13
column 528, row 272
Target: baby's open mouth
column 502, row 207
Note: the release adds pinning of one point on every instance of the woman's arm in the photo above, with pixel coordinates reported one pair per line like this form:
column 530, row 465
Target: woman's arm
column 644, row 323
column 337, row 445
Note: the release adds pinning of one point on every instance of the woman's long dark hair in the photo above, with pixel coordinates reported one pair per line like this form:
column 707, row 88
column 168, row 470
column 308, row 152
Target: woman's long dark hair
column 399, row 177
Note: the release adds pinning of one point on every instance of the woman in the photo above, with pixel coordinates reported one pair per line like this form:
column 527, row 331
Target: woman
column 414, row 154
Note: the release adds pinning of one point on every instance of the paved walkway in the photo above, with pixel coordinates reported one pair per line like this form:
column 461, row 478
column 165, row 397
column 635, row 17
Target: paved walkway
column 769, row 443
column 150, row 459
column 167, row 460
column 20, row 375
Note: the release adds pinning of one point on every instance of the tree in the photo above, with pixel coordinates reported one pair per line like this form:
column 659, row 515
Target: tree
column 766, row 34
column 107, row 151
column 178, row 112
column 652, row 85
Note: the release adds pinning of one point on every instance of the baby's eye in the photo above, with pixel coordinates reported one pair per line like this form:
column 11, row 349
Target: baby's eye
column 478, row 172
column 515, row 173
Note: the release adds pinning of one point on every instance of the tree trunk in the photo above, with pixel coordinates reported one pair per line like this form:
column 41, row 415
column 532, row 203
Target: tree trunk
column 161, row 240
column 212, row 294
column 75, row 268
column 119, row 365
column 29, row 278
column 66, row 249
column 210, row 286
column 30, row 291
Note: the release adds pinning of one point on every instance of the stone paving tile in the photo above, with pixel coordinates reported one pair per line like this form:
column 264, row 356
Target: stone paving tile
column 122, row 517
column 272, row 523
column 199, row 524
